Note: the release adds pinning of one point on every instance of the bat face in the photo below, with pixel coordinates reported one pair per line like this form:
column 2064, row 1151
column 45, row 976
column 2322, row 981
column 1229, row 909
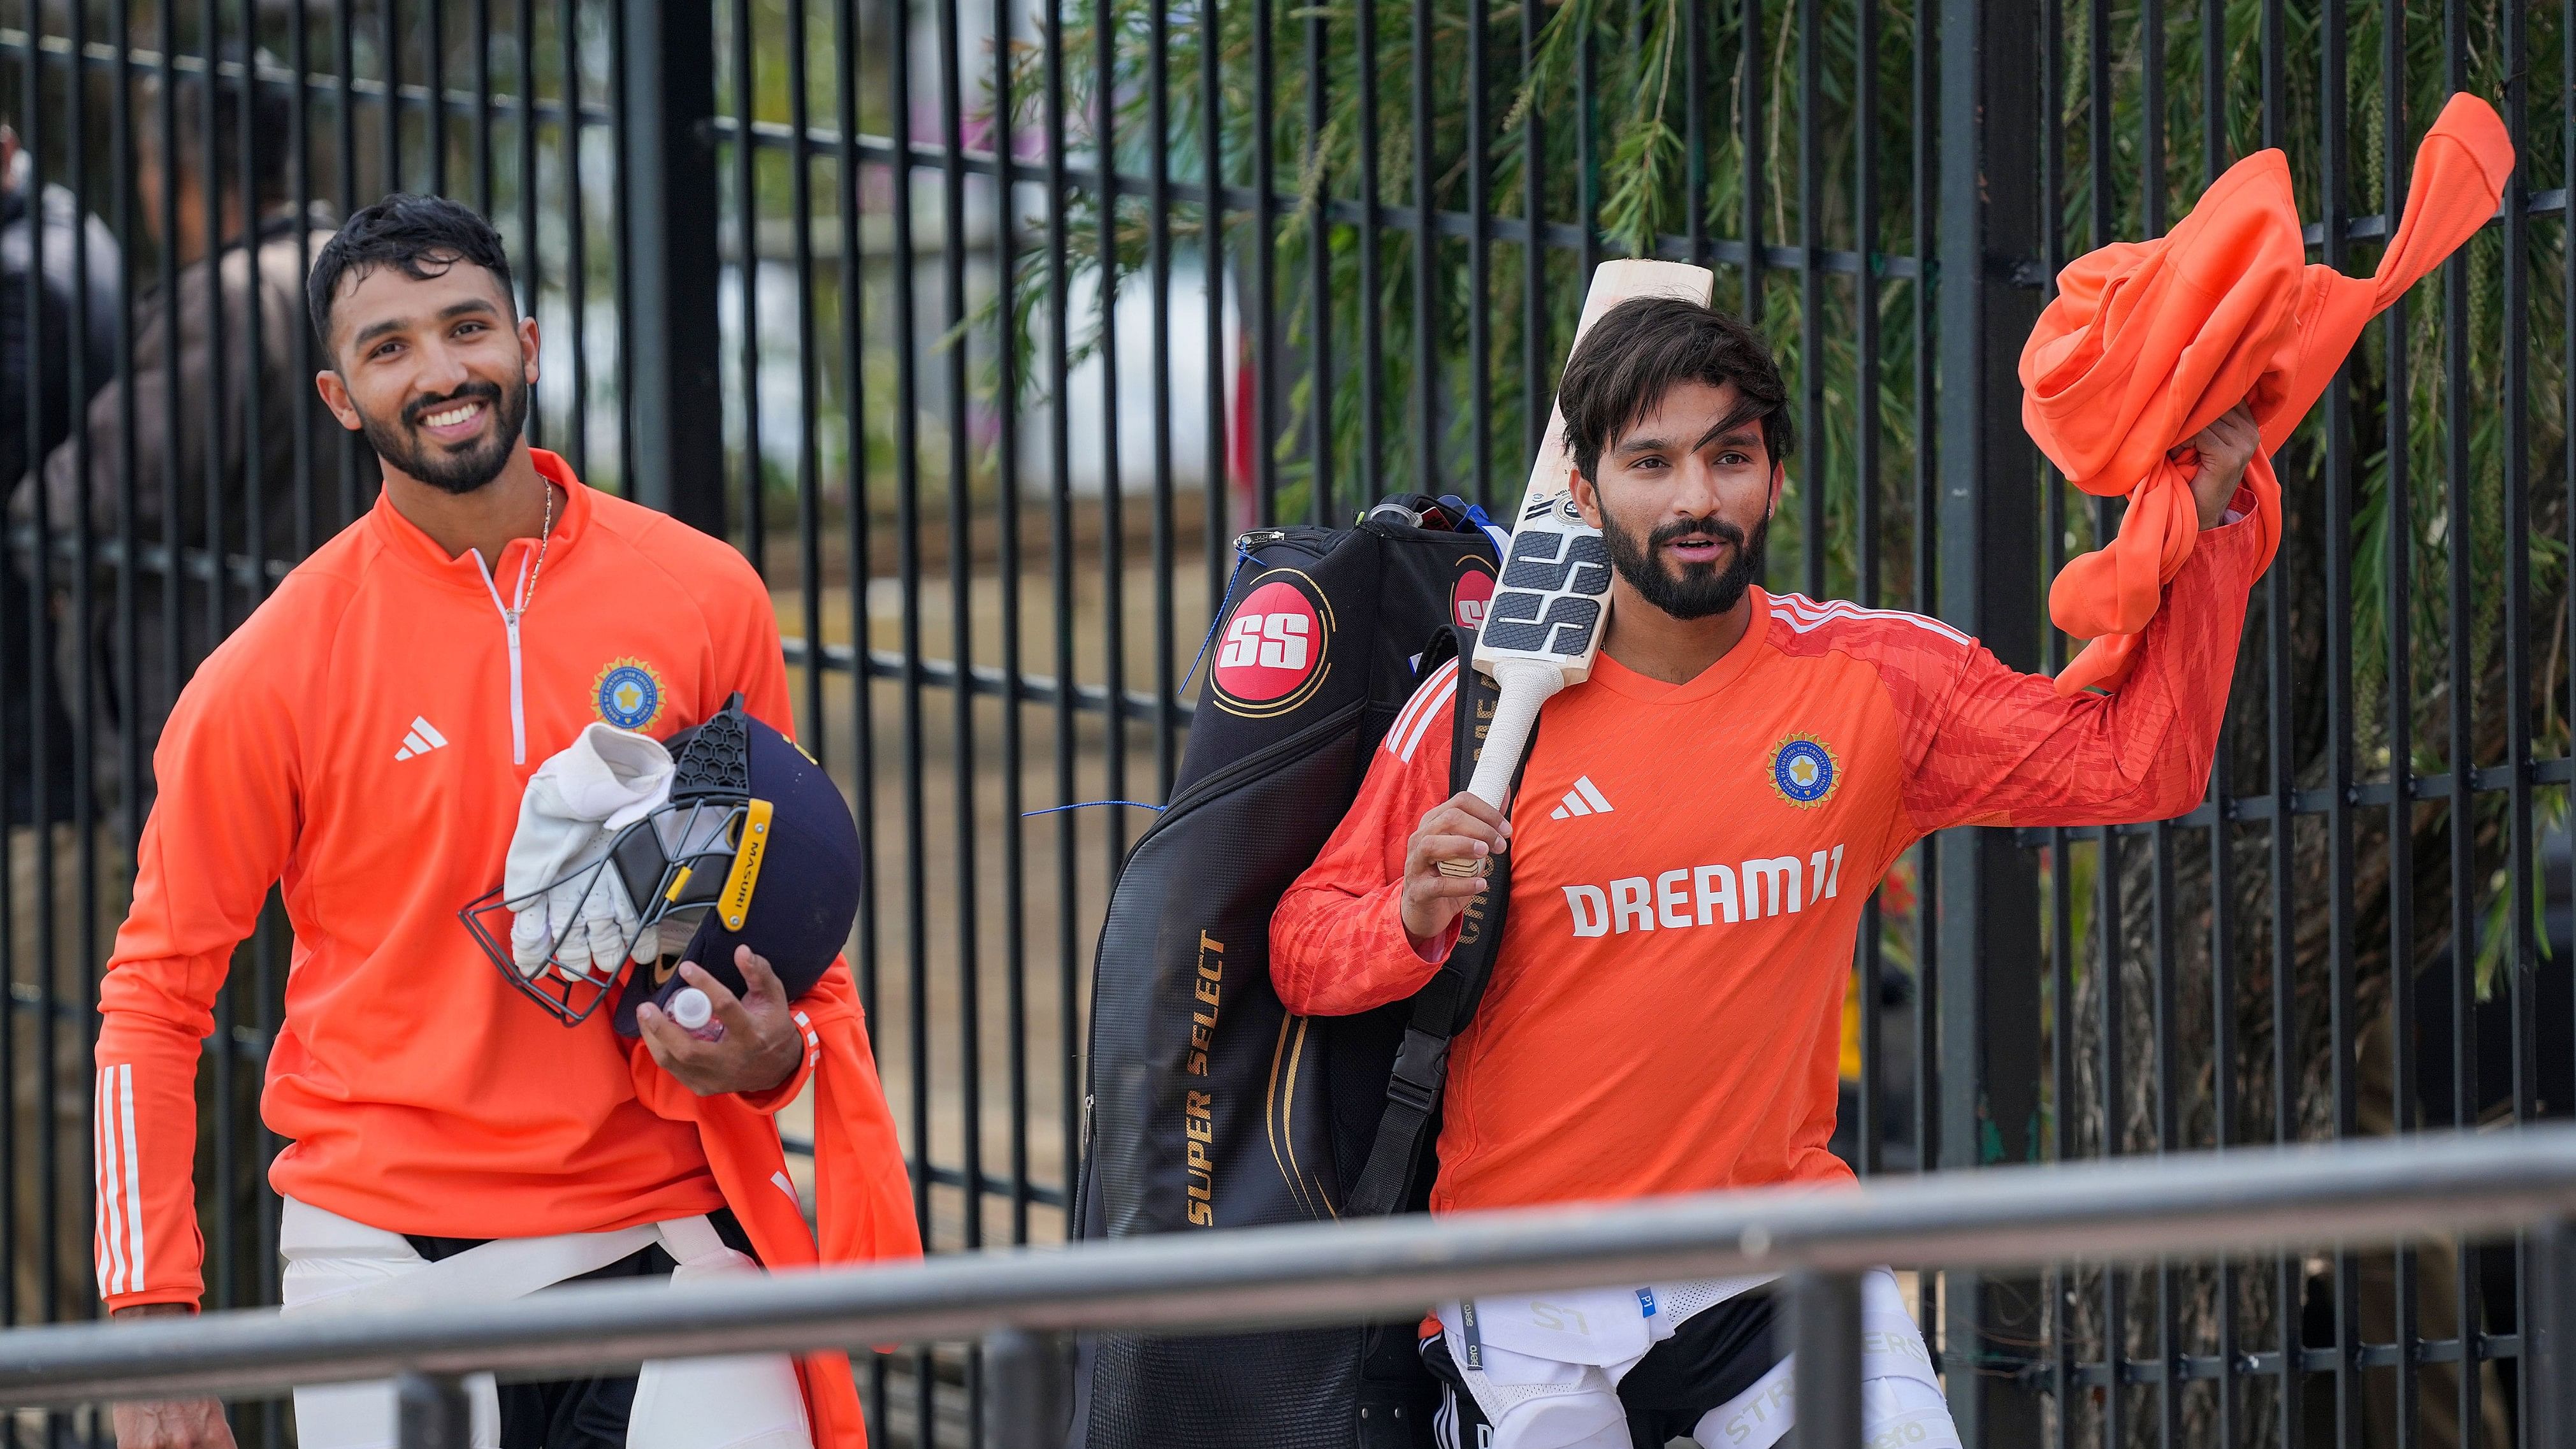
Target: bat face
column 1555, row 588
column 1554, row 596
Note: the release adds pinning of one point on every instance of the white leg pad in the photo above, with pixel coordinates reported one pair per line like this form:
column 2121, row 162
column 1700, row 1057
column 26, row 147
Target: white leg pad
column 1901, row 1402
column 748, row 1401
column 1537, row 1403
column 327, row 1255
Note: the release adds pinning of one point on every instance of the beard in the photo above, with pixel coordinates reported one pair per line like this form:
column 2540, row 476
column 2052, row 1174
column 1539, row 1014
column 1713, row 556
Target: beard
column 399, row 441
column 1699, row 589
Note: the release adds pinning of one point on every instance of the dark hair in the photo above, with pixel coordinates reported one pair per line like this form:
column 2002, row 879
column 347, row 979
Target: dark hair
column 421, row 235
column 1644, row 348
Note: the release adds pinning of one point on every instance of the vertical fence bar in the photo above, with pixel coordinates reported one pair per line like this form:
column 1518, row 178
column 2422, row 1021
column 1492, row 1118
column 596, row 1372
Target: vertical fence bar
column 1535, row 397
column 2522, row 897
column 1319, row 298
column 2342, row 482
column 1749, row 119
column 2061, row 884
column 1426, row 366
column 1824, row 1327
column 814, row 730
column 907, row 523
column 961, row 647
column 41, row 702
column 1480, row 361
column 1060, row 522
column 1006, row 472
column 576, row 282
column 846, row 77
column 2155, row 115
column 2289, row 1279
column 672, row 262
column 746, row 245
column 1869, row 1125
column 216, row 540
column 1158, row 262
column 1989, row 903
column 2397, row 607
column 1025, row 1384
column 482, row 105
column 1814, row 546
column 389, row 58
column 344, row 119
column 434, row 76
column 2550, row 1398
column 1264, row 345
column 1212, row 283
column 2460, row 740
column 2230, row 1386
column 532, row 255
column 1372, row 473
column 1113, row 478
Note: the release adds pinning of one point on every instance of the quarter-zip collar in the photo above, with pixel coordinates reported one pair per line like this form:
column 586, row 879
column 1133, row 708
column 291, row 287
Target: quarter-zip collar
column 506, row 581
column 405, row 540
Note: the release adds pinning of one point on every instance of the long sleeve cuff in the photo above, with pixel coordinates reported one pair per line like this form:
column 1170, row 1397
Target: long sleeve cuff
column 769, row 1103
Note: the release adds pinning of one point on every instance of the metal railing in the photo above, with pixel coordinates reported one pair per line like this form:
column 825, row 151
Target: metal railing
column 1021, row 1301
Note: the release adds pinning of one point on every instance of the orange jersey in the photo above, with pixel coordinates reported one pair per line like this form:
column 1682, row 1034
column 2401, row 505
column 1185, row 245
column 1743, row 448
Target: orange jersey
column 1689, row 863
column 363, row 741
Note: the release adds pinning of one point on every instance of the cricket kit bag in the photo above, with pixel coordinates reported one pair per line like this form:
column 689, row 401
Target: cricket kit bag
column 1208, row 1105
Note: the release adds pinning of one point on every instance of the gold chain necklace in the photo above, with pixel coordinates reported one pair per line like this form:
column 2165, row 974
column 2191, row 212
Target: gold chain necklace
column 545, row 536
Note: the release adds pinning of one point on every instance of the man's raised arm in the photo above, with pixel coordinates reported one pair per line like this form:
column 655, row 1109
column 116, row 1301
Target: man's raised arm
column 1991, row 746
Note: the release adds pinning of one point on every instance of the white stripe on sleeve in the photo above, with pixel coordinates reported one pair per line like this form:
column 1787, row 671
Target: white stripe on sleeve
column 1427, row 702
column 133, row 1179
column 111, row 1198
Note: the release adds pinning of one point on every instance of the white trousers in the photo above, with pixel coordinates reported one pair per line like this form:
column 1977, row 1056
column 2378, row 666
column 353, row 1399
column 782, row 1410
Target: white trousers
column 335, row 1265
column 1568, row 1398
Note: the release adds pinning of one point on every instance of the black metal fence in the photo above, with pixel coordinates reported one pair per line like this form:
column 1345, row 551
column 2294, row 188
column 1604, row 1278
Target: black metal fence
column 983, row 329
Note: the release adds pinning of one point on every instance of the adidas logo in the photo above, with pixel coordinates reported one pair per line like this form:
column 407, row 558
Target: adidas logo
column 1584, row 799
column 420, row 739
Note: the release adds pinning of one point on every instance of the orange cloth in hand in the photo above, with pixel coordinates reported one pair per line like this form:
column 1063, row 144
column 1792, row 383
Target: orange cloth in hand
column 2147, row 343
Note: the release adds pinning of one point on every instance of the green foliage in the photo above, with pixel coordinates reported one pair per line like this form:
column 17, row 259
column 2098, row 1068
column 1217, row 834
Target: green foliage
column 1586, row 110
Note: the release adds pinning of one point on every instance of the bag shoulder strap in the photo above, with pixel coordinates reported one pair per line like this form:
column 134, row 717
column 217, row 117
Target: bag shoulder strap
column 1444, row 1006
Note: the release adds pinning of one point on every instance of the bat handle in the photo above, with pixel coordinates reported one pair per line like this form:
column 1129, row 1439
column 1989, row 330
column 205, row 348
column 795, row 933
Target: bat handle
column 1525, row 685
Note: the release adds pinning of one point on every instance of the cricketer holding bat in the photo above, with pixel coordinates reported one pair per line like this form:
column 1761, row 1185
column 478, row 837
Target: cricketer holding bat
column 1698, row 827
column 364, row 741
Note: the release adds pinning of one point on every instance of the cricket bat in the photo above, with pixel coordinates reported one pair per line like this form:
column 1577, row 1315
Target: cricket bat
column 1545, row 621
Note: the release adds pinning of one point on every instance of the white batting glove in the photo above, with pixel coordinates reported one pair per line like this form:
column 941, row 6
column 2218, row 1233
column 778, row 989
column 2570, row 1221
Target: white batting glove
column 574, row 806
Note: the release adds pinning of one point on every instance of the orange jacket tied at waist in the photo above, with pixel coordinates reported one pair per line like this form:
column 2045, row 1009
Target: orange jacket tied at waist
column 2147, row 343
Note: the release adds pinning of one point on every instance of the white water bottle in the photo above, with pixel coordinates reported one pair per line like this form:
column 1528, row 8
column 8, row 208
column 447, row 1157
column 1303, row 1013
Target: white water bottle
column 694, row 1014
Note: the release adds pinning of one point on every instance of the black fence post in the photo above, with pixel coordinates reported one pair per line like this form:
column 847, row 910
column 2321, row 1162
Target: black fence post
column 1024, row 1381
column 431, row 1411
column 668, row 96
column 1988, row 900
column 1824, row 1328
column 2549, row 1391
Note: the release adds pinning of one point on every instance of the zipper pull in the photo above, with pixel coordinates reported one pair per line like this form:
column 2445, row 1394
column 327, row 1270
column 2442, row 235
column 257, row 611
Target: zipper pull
column 1258, row 538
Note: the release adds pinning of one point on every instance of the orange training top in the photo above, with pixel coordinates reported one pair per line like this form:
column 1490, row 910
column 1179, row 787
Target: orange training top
column 2147, row 343
column 363, row 740
column 1689, row 864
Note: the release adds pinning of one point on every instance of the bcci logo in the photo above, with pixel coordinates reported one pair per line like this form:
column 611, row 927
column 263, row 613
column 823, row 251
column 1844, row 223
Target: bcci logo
column 1802, row 770
column 1270, row 656
column 1472, row 595
column 628, row 694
